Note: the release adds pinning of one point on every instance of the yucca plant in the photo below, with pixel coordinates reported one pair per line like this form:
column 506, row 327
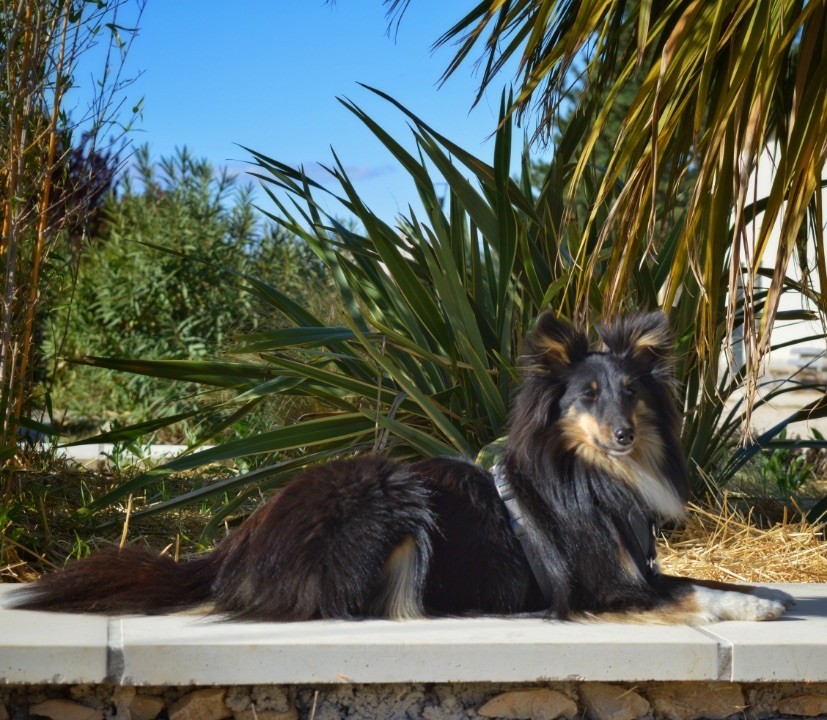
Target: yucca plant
column 430, row 315
column 431, row 312
column 421, row 361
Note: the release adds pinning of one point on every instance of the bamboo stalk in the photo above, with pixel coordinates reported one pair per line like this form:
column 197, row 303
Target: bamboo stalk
column 43, row 43
column 15, row 75
column 40, row 248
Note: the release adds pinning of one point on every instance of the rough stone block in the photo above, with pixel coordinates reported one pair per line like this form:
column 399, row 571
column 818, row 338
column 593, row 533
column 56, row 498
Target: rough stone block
column 536, row 704
column 692, row 700
column 807, row 705
column 145, row 707
column 612, row 702
column 65, row 710
column 291, row 714
column 260, row 697
column 207, row 704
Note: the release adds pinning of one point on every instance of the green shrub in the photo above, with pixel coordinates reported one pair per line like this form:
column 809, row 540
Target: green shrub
column 158, row 282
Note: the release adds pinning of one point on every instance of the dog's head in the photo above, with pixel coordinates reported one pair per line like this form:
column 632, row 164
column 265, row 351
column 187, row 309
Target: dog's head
column 603, row 399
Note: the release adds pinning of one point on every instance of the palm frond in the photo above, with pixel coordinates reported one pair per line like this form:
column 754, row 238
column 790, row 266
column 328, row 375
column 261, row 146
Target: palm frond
column 722, row 87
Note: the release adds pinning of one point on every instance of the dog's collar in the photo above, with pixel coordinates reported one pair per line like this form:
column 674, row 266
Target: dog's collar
column 518, row 527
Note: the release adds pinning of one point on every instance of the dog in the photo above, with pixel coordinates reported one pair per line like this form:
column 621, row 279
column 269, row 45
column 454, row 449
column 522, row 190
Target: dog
column 563, row 527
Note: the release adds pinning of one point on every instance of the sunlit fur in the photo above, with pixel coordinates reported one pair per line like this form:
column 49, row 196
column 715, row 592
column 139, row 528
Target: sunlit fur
column 593, row 457
column 400, row 597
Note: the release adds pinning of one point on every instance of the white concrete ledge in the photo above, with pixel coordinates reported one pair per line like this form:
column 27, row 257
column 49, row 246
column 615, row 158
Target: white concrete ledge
column 93, row 453
column 37, row 648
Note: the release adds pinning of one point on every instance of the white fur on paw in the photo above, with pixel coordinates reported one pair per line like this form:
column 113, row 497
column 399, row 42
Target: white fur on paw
column 766, row 593
column 717, row 605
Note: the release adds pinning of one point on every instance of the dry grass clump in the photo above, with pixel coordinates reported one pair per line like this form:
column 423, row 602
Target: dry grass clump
column 723, row 544
column 40, row 528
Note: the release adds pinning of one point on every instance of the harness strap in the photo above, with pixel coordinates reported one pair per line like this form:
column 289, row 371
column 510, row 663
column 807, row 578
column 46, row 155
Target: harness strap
column 518, row 527
column 644, row 531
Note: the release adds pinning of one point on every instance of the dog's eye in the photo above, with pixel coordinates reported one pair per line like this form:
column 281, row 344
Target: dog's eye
column 630, row 391
column 590, row 394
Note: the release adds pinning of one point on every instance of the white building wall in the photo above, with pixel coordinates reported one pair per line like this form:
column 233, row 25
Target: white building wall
column 805, row 360
column 786, row 360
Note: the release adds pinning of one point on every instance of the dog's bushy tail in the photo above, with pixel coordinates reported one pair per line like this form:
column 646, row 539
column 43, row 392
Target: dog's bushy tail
column 125, row 581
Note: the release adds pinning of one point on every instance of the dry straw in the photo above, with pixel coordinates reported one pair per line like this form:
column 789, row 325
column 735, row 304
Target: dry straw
column 723, row 544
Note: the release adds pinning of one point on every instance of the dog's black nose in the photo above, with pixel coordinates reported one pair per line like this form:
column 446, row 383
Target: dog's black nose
column 625, row 436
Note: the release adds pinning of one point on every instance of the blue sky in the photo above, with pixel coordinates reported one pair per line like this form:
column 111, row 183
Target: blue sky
column 266, row 74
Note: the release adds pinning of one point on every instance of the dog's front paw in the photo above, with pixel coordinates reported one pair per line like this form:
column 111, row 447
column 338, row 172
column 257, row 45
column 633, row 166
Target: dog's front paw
column 756, row 608
column 766, row 593
column 717, row 605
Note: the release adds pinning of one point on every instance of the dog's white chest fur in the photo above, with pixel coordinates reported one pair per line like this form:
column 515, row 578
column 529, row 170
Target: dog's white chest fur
column 660, row 497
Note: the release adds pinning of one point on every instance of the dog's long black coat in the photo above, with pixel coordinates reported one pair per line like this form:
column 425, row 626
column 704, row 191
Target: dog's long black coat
column 593, row 454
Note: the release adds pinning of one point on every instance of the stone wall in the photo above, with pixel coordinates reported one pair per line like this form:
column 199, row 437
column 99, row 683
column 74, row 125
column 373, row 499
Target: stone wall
column 599, row 701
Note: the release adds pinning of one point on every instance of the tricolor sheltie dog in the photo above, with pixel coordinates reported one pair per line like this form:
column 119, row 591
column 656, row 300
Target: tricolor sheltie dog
column 563, row 527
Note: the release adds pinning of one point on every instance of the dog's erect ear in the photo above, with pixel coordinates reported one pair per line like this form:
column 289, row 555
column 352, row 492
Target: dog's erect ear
column 554, row 343
column 645, row 337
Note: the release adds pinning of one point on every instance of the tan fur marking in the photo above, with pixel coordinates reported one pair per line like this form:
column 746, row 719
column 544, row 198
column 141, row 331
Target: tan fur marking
column 682, row 612
column 554, row 350
column 628, row 564
column 582, row 431
column 199, row 610
column 398, row 597
column 656, row 338
column 625, row 559
column 648, row 449
column 591, row 428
